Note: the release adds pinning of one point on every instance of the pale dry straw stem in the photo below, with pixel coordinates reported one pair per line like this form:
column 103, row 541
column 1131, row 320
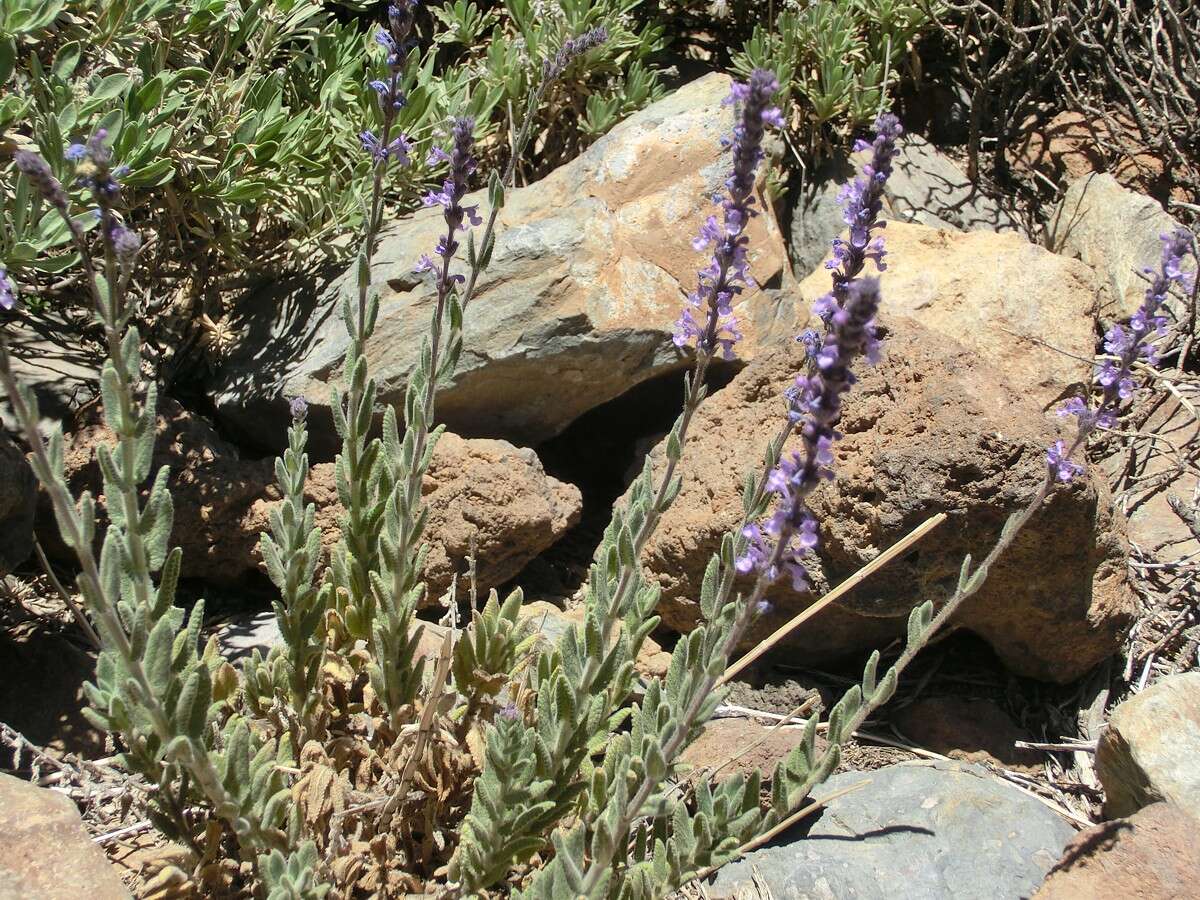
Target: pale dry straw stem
column 846, row 586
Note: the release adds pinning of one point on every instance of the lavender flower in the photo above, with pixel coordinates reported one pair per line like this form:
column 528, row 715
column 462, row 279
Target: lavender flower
column 1060, row 463
column 817, row 406
column 8, row 290
column 33, row 167
column 125, row 243
column 553, row 68
column 1124, row 347
column 398, row 148
column 93, row 165
column 395, row 41
column 298, row 407
column 454, row 188
column 862, row 201
column 725, row 276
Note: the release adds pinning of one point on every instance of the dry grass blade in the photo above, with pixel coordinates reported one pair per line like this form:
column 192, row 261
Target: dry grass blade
column 846, row 586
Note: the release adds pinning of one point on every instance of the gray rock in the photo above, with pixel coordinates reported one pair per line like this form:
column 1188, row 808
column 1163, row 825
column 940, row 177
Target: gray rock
column 1116, row 232
column 18, row 503
column 922, row 832
column 928, row 187
column 1151, row 748
column 589, row 270
column 51, row 360
column 816, row 215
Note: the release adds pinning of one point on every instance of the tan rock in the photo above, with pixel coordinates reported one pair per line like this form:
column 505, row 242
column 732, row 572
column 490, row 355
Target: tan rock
column 932, row 428
column 590, row 267
column 1152, row 855
column 45, row 852
column 1028, row 310
column 488, row 489
column 1150, row 750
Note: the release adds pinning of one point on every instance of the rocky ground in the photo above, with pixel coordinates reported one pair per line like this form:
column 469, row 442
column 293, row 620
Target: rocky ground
column 1049, row 745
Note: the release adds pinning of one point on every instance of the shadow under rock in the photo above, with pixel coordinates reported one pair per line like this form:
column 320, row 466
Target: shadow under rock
column 279, row 323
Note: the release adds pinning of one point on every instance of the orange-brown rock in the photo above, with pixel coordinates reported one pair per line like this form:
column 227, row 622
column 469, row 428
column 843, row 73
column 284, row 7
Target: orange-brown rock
column 45, row 852
column 488, row 489
column 935, row 427
column 1152, row 855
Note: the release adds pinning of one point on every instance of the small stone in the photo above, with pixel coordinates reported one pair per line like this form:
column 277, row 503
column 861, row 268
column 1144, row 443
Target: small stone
column 971, row 730
column 45, row 852
column 741, row 746
column 981, row 839
column 1150, row 750
column 1152, row 855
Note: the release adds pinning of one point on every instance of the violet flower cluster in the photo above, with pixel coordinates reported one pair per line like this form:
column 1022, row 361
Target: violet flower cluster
column 727, row 273
column 8, row 291
column 454, row 188
column 94, row 171
column 553, row 68
column 1124, row 347
column 396, row 42
column 815, row 400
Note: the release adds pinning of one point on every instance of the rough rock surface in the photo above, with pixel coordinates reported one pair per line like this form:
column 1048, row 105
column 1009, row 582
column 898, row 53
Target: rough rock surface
column 45, row 853
column 926, row 187
column 589, row 270
column 18, row 502
column 490, row 489
column 1150, row 750
column 1152, row 855
column 741, row 746
column 1030, row 311
column 1116, row 232
column 931, row 428
column 971, row 730
column 922, row 832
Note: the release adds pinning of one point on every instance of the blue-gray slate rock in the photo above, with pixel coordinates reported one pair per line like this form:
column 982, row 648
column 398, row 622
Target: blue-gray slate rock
column 918, row 832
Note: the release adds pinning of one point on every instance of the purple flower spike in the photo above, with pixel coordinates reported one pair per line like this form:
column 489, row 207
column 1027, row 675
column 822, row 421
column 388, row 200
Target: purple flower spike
column 33, row 167
column 93, row 165
column 707, row 318
column 1060, row 463
column 1124, row 347
column 553, row 68
column 815, row 406
column 862, row 202
column 454, row 188
column 8, row 290
column 298, row 407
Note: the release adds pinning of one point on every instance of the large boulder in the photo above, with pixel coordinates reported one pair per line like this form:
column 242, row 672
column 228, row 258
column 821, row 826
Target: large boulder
column 932, row 428
column 18, row 500
column 1150, row 750
column 1152, row 855
column 590, row 266
column 1116, row 232
column 487, row 489
column 1030, row 311
column 45, row 852
column 918, row 831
